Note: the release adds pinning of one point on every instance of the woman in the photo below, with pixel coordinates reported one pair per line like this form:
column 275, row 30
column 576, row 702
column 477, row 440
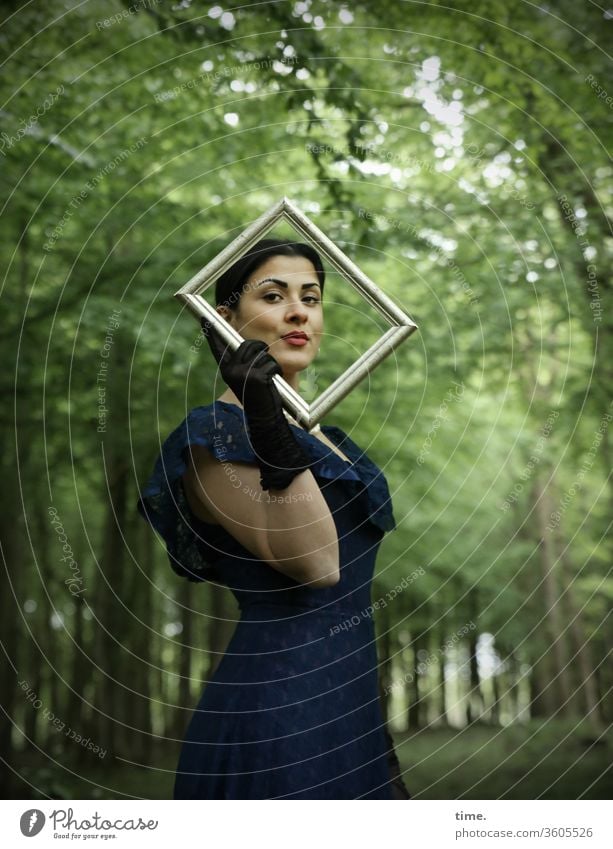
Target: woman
column 291, row 522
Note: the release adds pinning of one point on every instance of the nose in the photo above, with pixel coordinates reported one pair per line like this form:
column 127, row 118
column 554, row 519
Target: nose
column 296, row 312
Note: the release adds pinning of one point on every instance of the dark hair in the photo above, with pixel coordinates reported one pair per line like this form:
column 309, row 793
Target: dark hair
column 230, row 285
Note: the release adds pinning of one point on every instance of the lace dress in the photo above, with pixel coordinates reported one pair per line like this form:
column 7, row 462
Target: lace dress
column 292, row 711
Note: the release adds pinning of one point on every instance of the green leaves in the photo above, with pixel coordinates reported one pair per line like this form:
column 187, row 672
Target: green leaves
column 457, row 218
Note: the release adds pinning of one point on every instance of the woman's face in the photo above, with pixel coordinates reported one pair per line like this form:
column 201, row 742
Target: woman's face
column 282, row 297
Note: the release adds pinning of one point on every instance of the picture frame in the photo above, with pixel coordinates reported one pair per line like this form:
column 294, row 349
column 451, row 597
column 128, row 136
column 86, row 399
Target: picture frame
column 308, row 415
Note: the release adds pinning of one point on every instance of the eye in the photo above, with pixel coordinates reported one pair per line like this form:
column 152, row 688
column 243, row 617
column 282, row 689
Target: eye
column 312, row 299
column 269, row 295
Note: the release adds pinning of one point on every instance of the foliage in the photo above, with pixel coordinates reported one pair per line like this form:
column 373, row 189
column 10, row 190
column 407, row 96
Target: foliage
column 458, row 156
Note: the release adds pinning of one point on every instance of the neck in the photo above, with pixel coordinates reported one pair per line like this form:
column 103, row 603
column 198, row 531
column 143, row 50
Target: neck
column 293, row 380
column 231, row 398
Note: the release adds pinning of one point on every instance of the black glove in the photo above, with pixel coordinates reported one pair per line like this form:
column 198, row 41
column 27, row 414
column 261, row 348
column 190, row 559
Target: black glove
column 248, row 372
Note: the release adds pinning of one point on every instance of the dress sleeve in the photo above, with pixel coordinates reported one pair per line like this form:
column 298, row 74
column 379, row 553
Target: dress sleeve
column 193, row 546
column 364, row 478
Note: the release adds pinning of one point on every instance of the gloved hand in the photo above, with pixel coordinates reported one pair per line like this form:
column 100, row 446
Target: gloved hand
column 248, row 372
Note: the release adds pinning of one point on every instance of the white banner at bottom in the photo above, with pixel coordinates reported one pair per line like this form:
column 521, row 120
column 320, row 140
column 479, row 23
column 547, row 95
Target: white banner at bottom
column 442, row 823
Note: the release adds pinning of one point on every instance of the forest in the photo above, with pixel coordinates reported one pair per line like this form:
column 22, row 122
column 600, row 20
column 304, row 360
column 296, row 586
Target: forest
column 459, row 154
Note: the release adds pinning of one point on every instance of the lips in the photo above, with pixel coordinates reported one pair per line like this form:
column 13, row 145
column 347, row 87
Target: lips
column 296, row 339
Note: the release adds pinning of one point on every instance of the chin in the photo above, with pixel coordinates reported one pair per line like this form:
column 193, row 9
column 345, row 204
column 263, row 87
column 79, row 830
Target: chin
column 299, row 357
column 288, row 354
column 293, row 369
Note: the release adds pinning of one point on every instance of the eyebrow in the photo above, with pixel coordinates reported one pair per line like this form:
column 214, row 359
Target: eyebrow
column 283, row 283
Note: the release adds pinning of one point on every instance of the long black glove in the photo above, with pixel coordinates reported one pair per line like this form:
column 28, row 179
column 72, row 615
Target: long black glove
column 248, row 372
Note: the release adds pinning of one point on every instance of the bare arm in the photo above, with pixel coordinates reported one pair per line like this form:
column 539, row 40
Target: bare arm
column 291, row 529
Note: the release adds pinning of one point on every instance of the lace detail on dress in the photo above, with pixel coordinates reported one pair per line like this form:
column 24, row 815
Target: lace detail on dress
column 190, row 554
column 194, row 546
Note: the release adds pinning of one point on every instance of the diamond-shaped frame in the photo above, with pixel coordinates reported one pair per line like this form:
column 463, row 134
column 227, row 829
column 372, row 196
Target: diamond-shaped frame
column 402, row 326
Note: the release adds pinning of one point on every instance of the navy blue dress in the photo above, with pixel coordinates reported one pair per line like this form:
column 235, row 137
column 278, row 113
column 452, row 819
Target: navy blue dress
column 292, row 711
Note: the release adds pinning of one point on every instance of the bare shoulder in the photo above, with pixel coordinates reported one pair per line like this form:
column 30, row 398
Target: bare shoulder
column 228, row 494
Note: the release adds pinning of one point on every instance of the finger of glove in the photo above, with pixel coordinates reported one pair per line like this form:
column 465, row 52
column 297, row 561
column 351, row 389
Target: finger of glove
column 219, row 348
column 259, row 361
column 249, row 351
column 255, row 359
column 270, row 367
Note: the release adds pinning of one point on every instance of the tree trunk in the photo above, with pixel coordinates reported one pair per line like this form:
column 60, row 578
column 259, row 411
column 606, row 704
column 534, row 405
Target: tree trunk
column 442, row 695
column 112, row 617
column 11, row 570
column 553, row 616
column 583, row 654
column 415, row 713
column 475, row 702
column 384, row 646
column 184, row 706
column 495, row 710
column 144, row 626
column 513, row 677
column 543, row 701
